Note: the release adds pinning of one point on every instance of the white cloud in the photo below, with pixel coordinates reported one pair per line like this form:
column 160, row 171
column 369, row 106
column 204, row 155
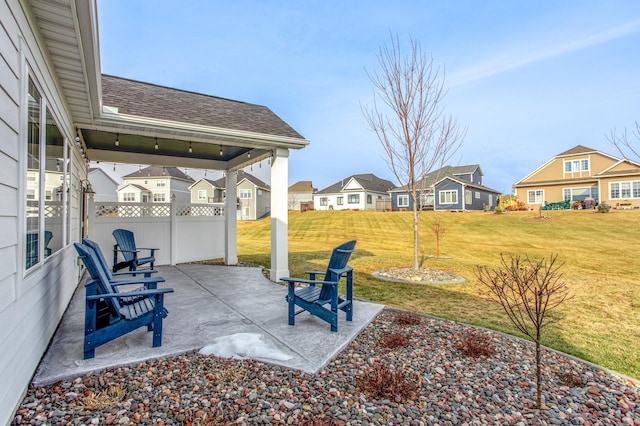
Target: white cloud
column 522, row 57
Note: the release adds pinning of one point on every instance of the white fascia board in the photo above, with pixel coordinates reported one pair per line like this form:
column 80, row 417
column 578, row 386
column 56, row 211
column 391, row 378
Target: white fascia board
column 236, row 137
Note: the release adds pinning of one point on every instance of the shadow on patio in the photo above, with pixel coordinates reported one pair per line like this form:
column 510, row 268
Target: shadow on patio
column 208, row 302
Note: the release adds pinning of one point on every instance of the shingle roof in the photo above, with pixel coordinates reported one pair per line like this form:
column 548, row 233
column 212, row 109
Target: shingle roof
column 302, row 186
column 470, row 184
column 150, row 100
column 159, row 171
column 431, row 178
column 251, row 178
column 578, row 149
column 369, row 182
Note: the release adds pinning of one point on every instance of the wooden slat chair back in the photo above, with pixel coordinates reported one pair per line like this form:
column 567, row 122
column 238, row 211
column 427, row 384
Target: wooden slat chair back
column 320, row 292
column 127, row 311
column 126, row 246
column 105, row 267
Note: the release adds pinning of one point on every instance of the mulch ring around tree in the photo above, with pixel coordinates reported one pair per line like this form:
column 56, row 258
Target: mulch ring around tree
column 418, row 276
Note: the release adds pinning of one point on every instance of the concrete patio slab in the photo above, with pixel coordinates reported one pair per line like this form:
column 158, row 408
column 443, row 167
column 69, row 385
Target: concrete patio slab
column 208, row 302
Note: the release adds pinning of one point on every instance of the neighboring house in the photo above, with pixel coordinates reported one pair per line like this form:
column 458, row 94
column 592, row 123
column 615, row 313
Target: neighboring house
column 357, row 192
column 254, row 197
column 104, row 187
column 456, row 193
column 580, row 173
column 301, row 192
column 156, row 184
column 205, row 191
column 471, row 174
column 58, row 112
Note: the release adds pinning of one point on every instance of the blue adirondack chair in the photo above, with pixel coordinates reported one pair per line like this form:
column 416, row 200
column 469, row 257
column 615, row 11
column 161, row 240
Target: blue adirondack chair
column 125, row 312
column 33, row 249
column 103, row 263
column 319, row 293
column 126, row 245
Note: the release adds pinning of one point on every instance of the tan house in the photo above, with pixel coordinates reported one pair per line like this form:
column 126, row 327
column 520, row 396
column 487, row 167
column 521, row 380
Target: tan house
column 301, row 192
column 581, row 173
column 254, row 197
column 205, row 191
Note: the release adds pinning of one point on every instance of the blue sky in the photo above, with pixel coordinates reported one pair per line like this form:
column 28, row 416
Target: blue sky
column 529, row 79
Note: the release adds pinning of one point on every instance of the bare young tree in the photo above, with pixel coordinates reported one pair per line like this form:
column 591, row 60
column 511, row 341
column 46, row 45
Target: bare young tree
column 408, row 118
column 527, row 290
column 439, row 230
column 623, row 142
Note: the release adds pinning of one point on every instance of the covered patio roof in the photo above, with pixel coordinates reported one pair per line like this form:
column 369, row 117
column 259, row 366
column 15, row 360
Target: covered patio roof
column 127, row 121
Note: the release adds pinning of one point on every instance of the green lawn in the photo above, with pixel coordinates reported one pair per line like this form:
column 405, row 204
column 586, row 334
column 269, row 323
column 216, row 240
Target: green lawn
column 602, row 268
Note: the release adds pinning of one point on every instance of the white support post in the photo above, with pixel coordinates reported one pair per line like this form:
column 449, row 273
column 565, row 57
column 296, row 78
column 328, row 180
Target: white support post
column 173, row 242
column 230, row 220
column 279, row 215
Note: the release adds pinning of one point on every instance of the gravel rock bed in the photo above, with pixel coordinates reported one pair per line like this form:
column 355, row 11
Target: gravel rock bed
column 402, row 369
column 418, row 276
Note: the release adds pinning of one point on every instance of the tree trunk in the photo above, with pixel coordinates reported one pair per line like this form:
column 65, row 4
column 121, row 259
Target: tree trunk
column 538, row 375
column 416, row 218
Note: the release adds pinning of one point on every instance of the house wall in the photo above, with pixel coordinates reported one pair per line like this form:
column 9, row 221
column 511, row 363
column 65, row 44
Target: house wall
column 394, row 200
column 480, row 199
column 620, row 201
column 104, row 187
column 247, row 209
column 131, row 189
column 554, row 170
column 295, row 198
column 32, row 301
column 201, row 186
column 449, row 185
column 263, row 202
column 180, row 189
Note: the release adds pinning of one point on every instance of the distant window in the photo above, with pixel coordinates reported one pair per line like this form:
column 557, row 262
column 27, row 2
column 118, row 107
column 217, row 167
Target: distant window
column 535, row 196
column 576, row 165
column 340, row 201
column 636, row 189
column 31, row 194
column 161, row 183
column 353, row 199
column 369, row 199
column 625, row 189
column 245, row 194
column 403, row 201
column 477, row 195
column 467, row 197
column 202, row 194
column 614, row 190
column 323, row 201
column 159, row 198
column 129, row 197
column 448, row 197
column 567, row 194
column 47, row 195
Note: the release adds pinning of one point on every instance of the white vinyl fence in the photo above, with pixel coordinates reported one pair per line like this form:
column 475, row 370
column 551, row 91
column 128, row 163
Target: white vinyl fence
column 181, row 232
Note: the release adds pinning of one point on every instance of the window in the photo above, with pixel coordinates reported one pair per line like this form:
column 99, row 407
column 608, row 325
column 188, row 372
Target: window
column 403, row 201
column 129, row 197
column 477, row 195
column 535, row 196
column 576, row 165
column 369, row 199
column 636, row 189
column 45, row 181
column 614, row 190
column 449, row 197
column 159, row 198
column 245, row 194
column 353, row 199
column 161, row 183
column 467, row 197
column 323, row 201
column 202, row 194
column 340, row 201
column 566, row 194
column 625, row 189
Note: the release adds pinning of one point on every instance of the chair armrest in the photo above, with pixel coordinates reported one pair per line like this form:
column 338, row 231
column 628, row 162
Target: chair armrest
column 125, row 251
column 146, row 248
column 138, row 272
column 315, row 272
column 345, row 270
column 138, row 281
column 141, row 293
column 304, row 281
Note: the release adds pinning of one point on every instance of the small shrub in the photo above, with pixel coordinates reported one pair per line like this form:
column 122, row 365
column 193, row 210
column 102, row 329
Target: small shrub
column 603, row 207
column 475, row 343
column 105, row 399
column 407, row 318
column 393, row 341
column 571, row 379
column 382, row 382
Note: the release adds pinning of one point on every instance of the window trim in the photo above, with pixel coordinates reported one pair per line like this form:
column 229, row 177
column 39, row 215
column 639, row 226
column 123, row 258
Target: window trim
column 535, row 192
column 202, row 194
column 442, row 196
column 245, row 194
column 353, row 199
column 403, row 200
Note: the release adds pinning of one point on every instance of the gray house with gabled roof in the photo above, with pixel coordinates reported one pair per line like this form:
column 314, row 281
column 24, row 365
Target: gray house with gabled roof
column 357, row 192
column 401, row 199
